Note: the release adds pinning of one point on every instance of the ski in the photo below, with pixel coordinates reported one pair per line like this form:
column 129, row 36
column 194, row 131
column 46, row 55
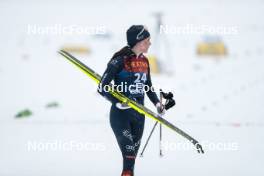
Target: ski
column 136, row 106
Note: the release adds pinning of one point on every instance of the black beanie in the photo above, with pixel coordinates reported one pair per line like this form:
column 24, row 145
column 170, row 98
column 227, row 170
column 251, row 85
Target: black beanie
column 135, row 34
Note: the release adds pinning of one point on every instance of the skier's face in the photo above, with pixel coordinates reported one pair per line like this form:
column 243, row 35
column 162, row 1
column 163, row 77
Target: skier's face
column 144, row 45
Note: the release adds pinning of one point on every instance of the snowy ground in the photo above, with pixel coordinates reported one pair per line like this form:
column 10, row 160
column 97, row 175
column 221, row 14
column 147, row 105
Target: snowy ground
column 219, row 101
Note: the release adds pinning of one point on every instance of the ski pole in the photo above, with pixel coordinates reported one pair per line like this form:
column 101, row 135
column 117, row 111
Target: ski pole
column 153, row 128
column 141, row 154
column 160, row 136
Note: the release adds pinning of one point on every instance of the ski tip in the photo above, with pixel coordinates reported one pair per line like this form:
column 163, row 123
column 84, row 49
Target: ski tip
column 61, row 51
column 199, row 148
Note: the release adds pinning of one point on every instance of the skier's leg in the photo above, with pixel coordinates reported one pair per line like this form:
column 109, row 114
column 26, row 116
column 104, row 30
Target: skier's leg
column 121, row 125
column 137, row 129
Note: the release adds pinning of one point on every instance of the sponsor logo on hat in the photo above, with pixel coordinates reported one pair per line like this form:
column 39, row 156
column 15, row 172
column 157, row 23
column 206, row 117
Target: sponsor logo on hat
column 140, row 36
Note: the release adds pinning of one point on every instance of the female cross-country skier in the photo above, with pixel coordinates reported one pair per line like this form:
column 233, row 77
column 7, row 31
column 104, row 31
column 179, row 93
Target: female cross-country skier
column 130, row 69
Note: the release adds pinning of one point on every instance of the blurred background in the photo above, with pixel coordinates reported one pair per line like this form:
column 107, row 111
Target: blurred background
column 209, row 53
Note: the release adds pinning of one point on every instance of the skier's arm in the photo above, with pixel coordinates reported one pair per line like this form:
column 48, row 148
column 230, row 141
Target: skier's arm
column 113, row 67
column 154, row 98
column 151, row 93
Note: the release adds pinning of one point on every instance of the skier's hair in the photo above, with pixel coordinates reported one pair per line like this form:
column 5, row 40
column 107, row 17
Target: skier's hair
column 125, row 51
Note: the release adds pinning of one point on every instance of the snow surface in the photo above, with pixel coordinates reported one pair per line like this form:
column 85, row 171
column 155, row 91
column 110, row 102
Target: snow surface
column 219, row 100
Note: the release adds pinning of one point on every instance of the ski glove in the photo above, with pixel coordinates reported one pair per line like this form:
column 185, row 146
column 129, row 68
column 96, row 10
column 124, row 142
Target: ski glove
column 166, row 95
column 170, row 102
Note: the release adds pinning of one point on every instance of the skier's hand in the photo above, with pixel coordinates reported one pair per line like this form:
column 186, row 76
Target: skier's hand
column 160, row 108
column 122, row 106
